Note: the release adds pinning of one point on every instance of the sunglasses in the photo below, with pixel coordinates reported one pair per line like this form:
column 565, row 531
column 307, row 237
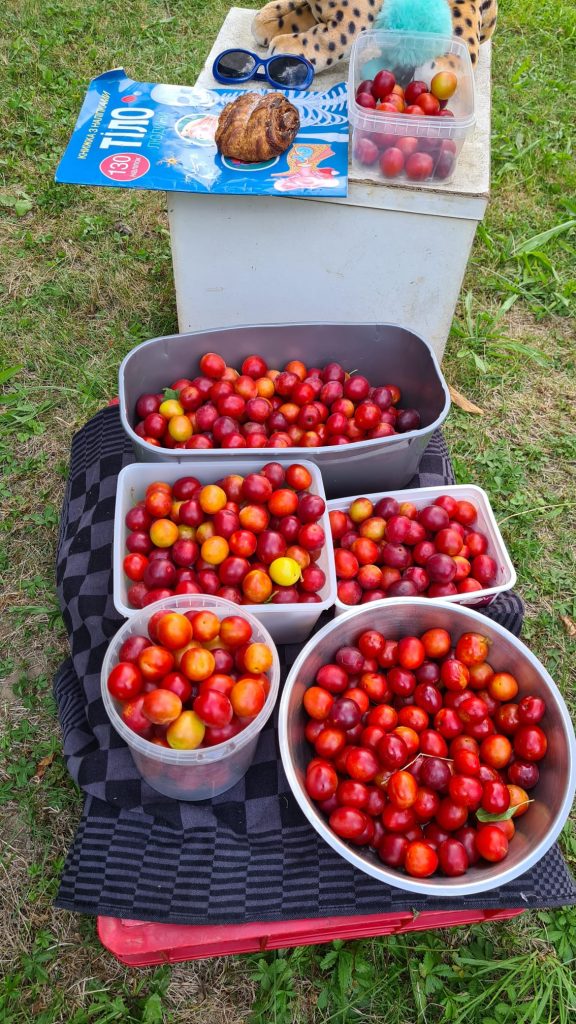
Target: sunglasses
column 283, row 70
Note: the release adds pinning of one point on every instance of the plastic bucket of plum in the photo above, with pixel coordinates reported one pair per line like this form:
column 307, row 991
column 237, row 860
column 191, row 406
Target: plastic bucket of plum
column 438, row 542
column 428, row 746
column 410, row 105
column 189, row 684
column 355, row 399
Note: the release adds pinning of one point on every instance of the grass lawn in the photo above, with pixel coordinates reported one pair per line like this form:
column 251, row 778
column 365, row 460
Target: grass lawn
column 85, row 276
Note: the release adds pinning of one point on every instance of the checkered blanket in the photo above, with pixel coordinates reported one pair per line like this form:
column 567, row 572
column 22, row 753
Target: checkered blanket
column 246, row 855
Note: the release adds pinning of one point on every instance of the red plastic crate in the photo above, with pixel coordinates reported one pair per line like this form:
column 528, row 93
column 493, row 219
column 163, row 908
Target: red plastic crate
column 141, row 943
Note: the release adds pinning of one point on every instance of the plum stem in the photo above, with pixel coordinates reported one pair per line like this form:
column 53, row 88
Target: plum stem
column 422, row 754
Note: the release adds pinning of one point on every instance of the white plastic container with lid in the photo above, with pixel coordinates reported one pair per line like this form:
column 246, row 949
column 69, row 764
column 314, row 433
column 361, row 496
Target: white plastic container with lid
column 485, row 523
column 205, row 772
column 438, row 139
column 287, row 623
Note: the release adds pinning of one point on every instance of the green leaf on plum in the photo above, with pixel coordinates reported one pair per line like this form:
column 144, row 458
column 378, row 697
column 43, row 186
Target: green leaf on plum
column 170, row 393
column 484, row 816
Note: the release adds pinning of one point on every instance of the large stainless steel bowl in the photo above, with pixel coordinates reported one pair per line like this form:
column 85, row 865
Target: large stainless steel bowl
column 553, row 797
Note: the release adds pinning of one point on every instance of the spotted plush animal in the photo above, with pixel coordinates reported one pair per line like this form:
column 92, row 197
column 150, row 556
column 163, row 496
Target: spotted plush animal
column 324, row 30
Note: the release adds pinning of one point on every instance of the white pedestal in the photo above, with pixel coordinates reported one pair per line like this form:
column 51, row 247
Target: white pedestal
column 385, row 253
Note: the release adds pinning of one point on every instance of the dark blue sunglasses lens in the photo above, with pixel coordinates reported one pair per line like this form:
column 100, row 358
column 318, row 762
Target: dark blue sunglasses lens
column 236, row 64
column 289, row 72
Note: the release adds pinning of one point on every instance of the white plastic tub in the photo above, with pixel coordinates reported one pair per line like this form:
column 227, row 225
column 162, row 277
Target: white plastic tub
column 191, row 774
column 485, row 523
column 287, row 623
column 378, row 50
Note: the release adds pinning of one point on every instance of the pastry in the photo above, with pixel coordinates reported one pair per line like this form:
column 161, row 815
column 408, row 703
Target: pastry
column 256, row 127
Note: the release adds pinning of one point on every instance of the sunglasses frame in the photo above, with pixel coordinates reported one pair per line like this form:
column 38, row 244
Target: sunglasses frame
column 262, row 62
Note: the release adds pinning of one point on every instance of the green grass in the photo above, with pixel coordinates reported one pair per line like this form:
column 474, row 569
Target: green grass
column 86, row 274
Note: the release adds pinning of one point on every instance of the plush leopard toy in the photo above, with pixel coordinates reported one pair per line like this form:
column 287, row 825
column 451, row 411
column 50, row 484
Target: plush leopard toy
column 324, row 30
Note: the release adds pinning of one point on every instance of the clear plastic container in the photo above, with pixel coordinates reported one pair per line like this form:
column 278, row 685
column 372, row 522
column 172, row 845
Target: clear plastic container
column 191, row 774
column 375, row 132
column 485, row 523
column 287, row 623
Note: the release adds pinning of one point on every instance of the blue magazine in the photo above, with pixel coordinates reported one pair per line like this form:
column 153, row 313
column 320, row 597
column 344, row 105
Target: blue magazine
column 141, row 135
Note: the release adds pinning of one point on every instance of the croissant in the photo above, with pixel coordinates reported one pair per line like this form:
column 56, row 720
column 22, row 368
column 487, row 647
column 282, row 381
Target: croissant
column 254, row 128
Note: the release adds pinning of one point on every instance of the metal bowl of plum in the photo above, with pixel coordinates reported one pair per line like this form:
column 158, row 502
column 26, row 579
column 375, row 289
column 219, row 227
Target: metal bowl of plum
column 428, row 746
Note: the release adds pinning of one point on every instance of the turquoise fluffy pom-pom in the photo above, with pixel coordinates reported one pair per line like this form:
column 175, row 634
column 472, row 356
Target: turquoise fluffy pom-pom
column 415, row 16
